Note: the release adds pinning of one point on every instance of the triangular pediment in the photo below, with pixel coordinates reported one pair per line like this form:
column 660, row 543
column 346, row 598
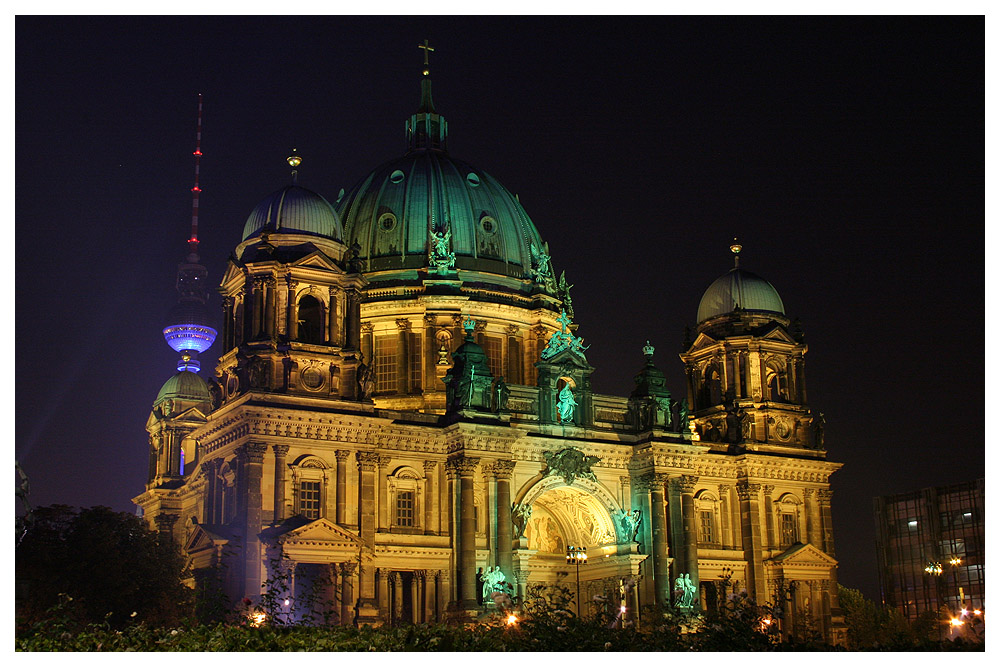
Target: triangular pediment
column 701, row 342
column 321, row 532
column 804, row 555
column 191, row 415
column 233, row 272
column 201, row 539
column 779, row 333
column 568, row 357
column 316, row 260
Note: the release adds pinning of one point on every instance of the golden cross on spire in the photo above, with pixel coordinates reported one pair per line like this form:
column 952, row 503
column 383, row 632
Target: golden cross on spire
column 426, row 46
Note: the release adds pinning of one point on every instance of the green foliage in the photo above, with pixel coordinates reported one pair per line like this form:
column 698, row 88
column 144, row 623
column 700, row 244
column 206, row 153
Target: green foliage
column 876, row 626
column 101, row 567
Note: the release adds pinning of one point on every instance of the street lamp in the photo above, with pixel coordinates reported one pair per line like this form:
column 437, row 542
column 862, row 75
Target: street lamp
column 578, row 556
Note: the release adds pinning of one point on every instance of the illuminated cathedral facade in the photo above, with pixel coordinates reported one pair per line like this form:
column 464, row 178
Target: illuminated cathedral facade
column 402, row 412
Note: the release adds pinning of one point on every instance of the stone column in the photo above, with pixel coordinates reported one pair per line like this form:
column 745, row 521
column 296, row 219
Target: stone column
column 280, row 452
column 812, row 518
column 227, row 324
column 824, row 496
column 752, row 548
column 429, row 580
column 466, row 468
column 270, row 307
column 403, row 356
column 658, row 525
column 686, row 485
column 416, row 605
column 333, row 333
column 291, row 323
column 352, row 316
column 257, row 315
column 397, row 597
column 441, row 586
column 725, row 521
column 641, row 500
column 341, row 455
column 367, row 343
column 383, row 494
column 252, row 454
column 430, row 498
column 347, row 593
column 384, row 592
column 211, row 471
column 769, row 518
column 503, row 470
column 367, row 463
column 514, row 361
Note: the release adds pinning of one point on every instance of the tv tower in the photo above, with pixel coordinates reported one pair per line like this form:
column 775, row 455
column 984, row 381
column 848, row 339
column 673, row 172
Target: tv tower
column 188, row 332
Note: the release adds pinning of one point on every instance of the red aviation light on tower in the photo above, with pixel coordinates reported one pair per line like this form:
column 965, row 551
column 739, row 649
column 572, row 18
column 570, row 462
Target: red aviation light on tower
column 193, row 241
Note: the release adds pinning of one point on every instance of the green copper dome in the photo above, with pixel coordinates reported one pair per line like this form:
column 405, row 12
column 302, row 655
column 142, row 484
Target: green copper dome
column 392, row 211
column 294, row 209
column 184, row 385
column 739, row 289
column 429, row 211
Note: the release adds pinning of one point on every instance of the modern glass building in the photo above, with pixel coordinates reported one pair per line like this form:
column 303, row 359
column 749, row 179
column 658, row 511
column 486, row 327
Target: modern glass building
column 931, row 549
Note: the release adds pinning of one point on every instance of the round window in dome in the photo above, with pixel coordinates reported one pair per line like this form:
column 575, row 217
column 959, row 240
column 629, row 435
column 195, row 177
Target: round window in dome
column 488, row 225
column 396, row 176
column 387, row 222
column 473, row 179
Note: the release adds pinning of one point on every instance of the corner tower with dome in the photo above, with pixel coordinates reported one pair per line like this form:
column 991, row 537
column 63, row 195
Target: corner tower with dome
column 402, row 422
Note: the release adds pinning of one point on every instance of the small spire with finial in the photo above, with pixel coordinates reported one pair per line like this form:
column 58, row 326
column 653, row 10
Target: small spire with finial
column 647, row 350
column 426, row 46
column 294, row 161
column 735, row 248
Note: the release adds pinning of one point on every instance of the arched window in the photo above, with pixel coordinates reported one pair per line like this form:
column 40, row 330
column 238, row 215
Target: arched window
column 309, row 486
column 777, row 382
column 310, row 320
column 707, row 514
column 406, row 500
column 788, row 520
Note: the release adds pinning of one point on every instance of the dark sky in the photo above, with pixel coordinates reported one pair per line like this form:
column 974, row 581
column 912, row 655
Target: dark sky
column 847, row 154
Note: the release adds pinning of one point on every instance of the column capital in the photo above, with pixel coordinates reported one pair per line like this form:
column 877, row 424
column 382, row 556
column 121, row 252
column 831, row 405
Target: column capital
column 625, row 480
column 280, row 451
column 429, row 468
column 367, row 327
column 768, row 489
column 367, row 461
column 383, row 462
column 347, row 569
column 824, row 495
column 808, row 493
column 342, row 455
column 642, row 483
column 513, row 330
column 684, row 483
column 724, row 489
column 503, row 469
column 253, row 452
column 395, row 577
column 747, row 489
column 463, row 466
column 403, row 324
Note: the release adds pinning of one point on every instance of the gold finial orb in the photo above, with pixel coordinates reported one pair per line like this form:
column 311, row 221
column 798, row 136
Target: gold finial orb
column 736, row 247
column 293, row 159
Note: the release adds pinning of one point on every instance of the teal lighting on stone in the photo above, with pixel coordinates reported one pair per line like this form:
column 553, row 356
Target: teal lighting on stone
column 184, row 385
column 294, row 209
column 391, row 214
column 739, row 289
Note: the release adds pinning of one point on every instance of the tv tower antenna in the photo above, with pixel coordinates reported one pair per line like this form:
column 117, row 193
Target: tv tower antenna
column 196, row 190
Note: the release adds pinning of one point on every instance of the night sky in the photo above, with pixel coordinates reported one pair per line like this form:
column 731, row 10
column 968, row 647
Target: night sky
column 847, row 155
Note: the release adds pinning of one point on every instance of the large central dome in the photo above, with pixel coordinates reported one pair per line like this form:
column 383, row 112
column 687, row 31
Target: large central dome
column 392, row 212
column 427, row 211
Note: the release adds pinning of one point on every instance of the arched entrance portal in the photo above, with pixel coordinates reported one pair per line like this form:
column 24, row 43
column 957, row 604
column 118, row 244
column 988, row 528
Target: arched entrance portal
column 581, row 516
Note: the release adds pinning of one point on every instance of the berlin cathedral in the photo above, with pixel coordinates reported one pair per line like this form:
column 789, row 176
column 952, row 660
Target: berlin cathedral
column 402, row 409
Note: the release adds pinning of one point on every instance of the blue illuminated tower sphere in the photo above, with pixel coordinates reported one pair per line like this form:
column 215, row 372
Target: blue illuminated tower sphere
column 187, row 331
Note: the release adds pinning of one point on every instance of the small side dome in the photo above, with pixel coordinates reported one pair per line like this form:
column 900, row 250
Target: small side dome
column 294, row 209
column 739, row 289
column 186, row 386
